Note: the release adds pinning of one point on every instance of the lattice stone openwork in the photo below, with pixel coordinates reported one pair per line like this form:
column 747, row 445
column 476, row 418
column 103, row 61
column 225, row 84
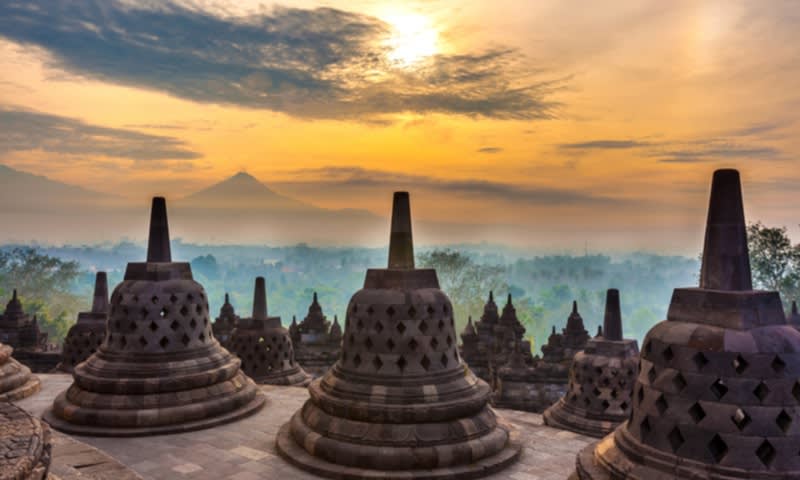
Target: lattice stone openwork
column 159, row 368
column 264, row 345
column 600, row 380
column 717, row 396
column 88, row 333
column 16, row 380
column 399, row 403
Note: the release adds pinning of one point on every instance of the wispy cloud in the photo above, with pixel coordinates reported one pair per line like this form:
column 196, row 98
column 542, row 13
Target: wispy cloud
column 356, row 177
column 604, row 145
column 26, row 130
column 727, row 146
column 713, row 151
column 319, row 63
column 490, row 150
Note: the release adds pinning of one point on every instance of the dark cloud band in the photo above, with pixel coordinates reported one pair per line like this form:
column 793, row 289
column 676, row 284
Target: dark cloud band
column 24, row 130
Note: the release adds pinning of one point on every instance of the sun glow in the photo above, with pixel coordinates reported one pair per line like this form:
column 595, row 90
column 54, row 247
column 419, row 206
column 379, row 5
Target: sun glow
column 413, row 38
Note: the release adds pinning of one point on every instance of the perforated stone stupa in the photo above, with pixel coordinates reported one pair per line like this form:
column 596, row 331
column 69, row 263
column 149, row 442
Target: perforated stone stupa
column 88, row 333
column 159, row 369
column 317, row 341
column 16, row 380
column 24, row 445
column 264, row 346
column 399, row 403
column 20, row 330
column 598, row 397
column 718, row 393
column 225, row 323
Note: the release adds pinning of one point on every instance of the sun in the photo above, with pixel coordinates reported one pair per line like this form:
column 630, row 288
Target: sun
column 413, row 38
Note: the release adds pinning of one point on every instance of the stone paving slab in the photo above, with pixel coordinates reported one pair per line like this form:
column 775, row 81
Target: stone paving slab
column 245, row 450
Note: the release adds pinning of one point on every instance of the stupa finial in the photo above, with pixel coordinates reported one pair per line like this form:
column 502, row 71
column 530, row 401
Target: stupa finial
column 574, row 306
column 612, row 323
column 100, row 300
column 260, row 299
column 158, row 249
column 726, row 260
column 401, row 243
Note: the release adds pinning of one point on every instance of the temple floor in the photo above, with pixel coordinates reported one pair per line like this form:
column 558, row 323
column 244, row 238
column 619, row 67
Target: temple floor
column 245, row 450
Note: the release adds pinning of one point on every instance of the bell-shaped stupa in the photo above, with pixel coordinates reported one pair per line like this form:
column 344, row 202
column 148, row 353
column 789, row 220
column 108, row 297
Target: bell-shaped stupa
column 718, row 395
column 399, row 403
column 598, row 396
column 264, row 345
column 16, row 380
column 88, row 333
column 159, row 369
column 225, row 323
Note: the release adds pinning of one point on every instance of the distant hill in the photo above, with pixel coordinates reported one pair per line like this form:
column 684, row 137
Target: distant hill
column 26, row 192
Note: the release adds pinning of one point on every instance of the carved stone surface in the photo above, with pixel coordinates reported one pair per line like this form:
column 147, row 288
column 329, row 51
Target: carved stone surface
column 24, row 445
column 523, row 387
column 317, row 342
column 225, row 323
column 718, row 395
column 601, row 379
column 18, row 329
column 159, row 369
column 88, row 333
column 497, row 336
column 265, row 347
column 16, row 380
column 399, row 403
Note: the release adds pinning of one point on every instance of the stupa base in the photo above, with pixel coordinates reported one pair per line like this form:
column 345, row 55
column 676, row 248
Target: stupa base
column 250, row 408
column 299, row 457
column 30, row 387
column 620, row 457
column 562, row 417
column 296, row 379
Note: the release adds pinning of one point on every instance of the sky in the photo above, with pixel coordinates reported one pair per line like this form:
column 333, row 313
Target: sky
column 588, row 120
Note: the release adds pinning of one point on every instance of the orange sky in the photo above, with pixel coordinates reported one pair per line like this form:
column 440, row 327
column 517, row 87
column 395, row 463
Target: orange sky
column 552, row 113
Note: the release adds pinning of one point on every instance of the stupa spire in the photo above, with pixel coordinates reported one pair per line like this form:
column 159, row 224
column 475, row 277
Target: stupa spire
column 612, row 323
column 100, row 300
column 401, row 243
column 158, row 249
column 726, row 260
column 260, row 300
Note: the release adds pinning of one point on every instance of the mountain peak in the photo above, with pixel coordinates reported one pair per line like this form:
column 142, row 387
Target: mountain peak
column 242, row 175
column 243, row 191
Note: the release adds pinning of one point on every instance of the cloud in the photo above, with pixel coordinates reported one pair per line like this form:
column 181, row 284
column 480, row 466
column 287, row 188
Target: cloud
column 490, row 150
column 318, row 63
column 25, row 130
column 714, row 150
column 690, row 151
column 357, row 177
column 604, row 145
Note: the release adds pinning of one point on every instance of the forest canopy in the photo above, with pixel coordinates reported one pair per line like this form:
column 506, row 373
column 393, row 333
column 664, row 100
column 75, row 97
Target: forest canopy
column 56, row 282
